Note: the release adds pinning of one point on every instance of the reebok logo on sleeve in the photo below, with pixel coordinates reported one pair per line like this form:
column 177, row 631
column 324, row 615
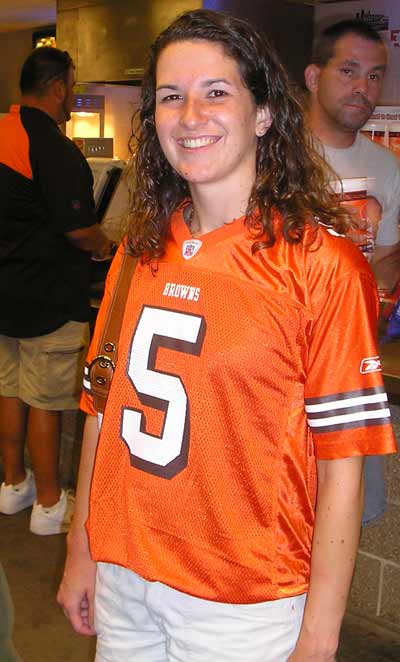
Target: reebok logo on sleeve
column 370, row 364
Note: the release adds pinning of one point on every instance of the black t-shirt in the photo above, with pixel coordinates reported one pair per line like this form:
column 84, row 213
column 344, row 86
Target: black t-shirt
column 46, row 190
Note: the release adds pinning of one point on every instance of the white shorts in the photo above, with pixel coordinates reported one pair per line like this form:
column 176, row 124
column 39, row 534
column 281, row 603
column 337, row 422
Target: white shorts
column 141, row 621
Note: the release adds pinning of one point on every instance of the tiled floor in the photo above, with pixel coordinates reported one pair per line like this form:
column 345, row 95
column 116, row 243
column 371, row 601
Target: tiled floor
column 33, row 566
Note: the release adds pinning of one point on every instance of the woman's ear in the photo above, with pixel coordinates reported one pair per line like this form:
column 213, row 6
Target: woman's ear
column 263, row 121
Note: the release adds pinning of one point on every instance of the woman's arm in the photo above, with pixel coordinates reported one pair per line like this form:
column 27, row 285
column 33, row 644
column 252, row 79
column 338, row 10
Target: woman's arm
column 76, row 592
column 334, row 552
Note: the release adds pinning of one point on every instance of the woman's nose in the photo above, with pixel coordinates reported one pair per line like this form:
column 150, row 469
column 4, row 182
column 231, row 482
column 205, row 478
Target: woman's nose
column 192, row 113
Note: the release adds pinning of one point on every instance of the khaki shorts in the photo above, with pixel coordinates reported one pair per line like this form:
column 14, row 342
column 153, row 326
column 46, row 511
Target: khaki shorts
column 45, row 371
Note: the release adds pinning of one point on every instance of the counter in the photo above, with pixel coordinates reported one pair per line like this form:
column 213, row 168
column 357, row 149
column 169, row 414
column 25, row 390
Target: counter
column 390, row 355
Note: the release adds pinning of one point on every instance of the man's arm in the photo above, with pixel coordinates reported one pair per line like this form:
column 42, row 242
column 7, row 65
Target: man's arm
column 386, row 266
column 76, row 592
column 334, row 551
column 90, row 239
column 386, row 259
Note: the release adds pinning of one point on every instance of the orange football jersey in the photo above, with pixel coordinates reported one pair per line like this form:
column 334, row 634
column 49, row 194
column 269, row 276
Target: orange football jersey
column 235, row 372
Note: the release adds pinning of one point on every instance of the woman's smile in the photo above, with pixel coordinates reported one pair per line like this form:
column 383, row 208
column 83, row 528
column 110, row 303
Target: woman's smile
column 197, row 143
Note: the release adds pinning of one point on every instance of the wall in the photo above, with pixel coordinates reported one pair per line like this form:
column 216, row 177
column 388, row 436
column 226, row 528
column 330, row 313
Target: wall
column 288, row 26
column 376, row 587
column 109, row 39
column 14, row 48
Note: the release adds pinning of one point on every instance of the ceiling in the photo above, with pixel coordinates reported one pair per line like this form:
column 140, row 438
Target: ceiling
column 25, row 14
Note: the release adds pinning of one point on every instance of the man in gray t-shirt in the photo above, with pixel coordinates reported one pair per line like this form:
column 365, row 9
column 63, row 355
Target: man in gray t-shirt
column 344, row 82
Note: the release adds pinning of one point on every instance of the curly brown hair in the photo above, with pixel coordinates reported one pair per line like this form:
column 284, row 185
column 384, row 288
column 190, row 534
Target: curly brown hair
column 291, row 178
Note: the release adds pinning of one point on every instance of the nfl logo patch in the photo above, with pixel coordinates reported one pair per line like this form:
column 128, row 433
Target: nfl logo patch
column 190, row 247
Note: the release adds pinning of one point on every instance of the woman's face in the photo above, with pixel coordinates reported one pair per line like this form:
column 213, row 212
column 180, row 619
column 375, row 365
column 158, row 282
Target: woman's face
column 206, row 119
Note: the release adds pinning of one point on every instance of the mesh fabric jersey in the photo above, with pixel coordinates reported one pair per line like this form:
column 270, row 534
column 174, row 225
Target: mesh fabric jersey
column 236, row 371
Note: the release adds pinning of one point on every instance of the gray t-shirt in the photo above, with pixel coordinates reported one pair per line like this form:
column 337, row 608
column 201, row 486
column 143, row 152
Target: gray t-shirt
column 368, row 159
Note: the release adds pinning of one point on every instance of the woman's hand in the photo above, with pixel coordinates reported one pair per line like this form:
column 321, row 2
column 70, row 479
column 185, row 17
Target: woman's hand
column 304, row 656
column 312, row 651
column 76, row 592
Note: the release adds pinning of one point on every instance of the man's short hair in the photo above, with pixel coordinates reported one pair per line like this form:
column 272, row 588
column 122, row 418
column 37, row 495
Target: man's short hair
column 44, row 65
column 325, row 43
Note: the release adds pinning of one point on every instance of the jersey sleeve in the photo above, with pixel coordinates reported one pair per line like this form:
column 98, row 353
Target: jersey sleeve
column 345, row 400
column 86, row 402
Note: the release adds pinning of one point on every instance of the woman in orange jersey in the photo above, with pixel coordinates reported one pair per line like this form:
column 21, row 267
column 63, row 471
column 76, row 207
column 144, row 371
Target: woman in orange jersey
column 226, row 483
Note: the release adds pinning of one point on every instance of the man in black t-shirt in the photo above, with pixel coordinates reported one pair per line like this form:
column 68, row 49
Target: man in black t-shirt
column 48, row 231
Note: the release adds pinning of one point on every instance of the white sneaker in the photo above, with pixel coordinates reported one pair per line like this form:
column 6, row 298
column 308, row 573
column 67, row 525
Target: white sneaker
column 14, row 498
column 55, row 519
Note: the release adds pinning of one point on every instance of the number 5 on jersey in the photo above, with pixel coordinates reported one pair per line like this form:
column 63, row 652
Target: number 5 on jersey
column 165, row 455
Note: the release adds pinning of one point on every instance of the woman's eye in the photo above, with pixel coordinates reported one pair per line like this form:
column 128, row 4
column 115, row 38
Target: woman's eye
column 170, row 97
column 347, row 72
column 217, row 93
